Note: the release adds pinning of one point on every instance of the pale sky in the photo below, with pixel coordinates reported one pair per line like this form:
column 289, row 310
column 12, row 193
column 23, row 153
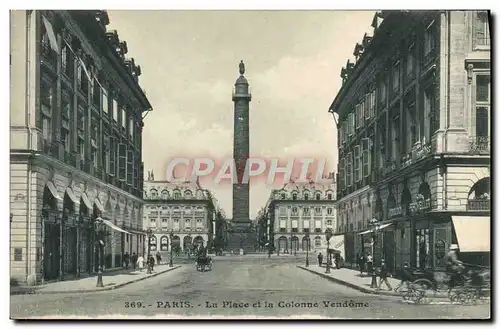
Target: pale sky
column 189, row 62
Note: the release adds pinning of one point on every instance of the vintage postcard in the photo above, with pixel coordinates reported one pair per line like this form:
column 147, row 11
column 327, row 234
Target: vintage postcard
column 250, row 164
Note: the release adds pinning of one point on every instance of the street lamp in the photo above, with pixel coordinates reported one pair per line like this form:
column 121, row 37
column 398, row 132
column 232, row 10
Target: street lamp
column 100, row 246
column 307, row 249
column 374, row 224
column 171, row 236
column 150, row 234
column 328, row 234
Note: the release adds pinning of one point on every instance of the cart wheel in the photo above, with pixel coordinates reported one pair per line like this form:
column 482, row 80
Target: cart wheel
column 425, row 291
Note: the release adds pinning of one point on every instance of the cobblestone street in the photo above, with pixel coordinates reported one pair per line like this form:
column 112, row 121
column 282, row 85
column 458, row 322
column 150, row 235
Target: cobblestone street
column 236, row 287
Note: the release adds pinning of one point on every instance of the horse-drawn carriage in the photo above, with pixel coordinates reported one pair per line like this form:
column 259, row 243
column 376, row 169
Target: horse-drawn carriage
column 203, row 262
column 467, row 287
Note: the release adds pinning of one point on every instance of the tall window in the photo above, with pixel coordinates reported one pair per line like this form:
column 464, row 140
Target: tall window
column 429, row 42
column 483, row 96
column 94, row 141
column 359, row 115
column 131, row 126
column 115, row 110
column 412, row 128
column 357, row 163
column 81, row 130
column 366, row 157
column 482, row 28
column 67, row 60
column 124, row 118
column 82, row 79
column 395, row 76
column 66, row 114
column 349, row 169
column 106, row 153
column 46, row 104
column 410, row 60
column 395, row 139
column 429, row 103
column 104, row 101
column 382, row 90
column 96, row 92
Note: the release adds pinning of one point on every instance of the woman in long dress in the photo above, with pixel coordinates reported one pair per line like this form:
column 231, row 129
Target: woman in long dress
column 140, row 263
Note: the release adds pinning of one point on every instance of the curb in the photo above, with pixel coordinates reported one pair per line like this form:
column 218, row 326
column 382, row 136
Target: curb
column 351, row 285
column 369, row 291
column 81, row 291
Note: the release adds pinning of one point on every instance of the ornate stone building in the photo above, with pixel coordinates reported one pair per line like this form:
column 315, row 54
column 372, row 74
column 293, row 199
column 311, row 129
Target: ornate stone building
column 186, row 210
column 75, row 131
column 414, row 139
column 298, row 213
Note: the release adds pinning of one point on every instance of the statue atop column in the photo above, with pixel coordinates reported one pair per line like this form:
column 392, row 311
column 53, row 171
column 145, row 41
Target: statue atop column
column 242, row 68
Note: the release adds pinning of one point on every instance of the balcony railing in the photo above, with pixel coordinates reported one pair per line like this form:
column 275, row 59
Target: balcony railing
column 479, row 144
column 478, row 204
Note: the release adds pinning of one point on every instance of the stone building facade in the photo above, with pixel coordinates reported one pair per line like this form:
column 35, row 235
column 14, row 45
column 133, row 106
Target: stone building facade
column 297, row 216
column 75, row 154
column 184, row 210
column 414, row 139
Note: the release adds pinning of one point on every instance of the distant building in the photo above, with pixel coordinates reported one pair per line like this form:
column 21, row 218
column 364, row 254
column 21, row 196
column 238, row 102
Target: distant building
column 186, row 210
column 298, row 213
column 75, row 145
column 414, row 127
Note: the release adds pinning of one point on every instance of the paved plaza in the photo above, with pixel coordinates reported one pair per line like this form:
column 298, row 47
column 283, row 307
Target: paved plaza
column 236, row 287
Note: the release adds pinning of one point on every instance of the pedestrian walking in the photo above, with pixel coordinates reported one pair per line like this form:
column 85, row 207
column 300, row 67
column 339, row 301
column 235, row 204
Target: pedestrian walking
column 134, row 260
column 140, row 263
column 406, row 277
column 151, row 262
column 158, row 257
column 383, row 276
column 361, row 262
column 369, row 264
column 320, row 259
column 126, row 259
column 337, row 260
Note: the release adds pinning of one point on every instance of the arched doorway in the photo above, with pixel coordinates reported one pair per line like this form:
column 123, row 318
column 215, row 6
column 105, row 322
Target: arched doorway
column 51, row 236
column 405, row 201
column 306, row 243
column 69, row 249
column 479, row 195
column 164, row 243
column 153, row 244
column 294, row 241
column 188, row 241
column 198, row 241
column 85, row 248
column 282, row 244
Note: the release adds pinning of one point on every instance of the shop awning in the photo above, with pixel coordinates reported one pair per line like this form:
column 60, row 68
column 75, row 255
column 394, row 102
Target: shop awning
column 72, row 196
column 86, row 201
column 53, row 190
column 99, row 206
column 381, row 227
column 473, row 233
column 111, row 225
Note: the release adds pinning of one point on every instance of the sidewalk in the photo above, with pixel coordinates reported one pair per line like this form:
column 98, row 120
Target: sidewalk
column 352, row 279
column 110, row 280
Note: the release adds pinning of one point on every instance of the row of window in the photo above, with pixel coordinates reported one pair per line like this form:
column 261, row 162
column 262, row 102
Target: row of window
column 87, row 80
column 176, row 195
column 356, row 165
column 364, row 107
column 295, row 196
column 167, row 209
column 305, row 211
